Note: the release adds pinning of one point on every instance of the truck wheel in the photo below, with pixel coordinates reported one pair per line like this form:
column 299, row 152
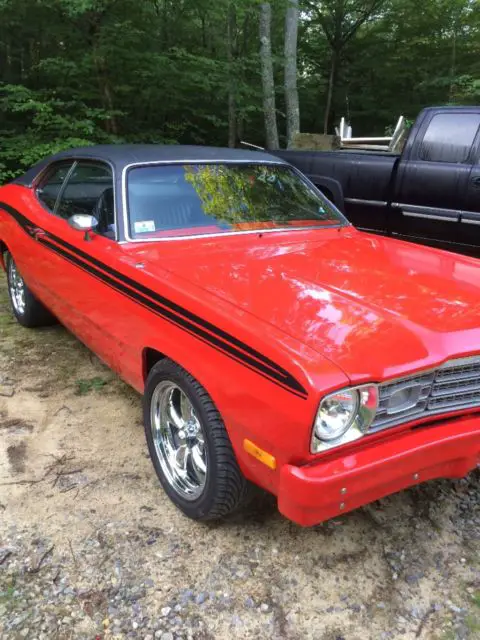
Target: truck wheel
column 27, row 309
column 189, row 445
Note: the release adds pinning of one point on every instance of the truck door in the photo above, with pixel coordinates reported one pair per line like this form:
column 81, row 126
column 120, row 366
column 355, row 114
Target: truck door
column 470, row 218
column 433, row 177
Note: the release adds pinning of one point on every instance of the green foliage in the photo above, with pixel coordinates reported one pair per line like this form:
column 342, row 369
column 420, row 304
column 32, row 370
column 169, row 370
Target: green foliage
column 408, row 58
column 79, row 72
column 241, row 196
column 53, row 124
column 84, row 387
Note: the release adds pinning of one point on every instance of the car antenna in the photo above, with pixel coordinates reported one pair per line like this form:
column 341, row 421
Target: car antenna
column 252, row 146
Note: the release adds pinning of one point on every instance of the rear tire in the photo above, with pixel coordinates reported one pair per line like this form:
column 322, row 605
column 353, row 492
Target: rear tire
column 189, row 445
column 27, row 309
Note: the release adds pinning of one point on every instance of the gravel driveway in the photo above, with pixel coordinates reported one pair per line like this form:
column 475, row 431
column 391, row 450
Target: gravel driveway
column 91, row 548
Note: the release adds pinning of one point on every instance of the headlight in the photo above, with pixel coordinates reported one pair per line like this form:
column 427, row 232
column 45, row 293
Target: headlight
column 336, row 414
column 344, row 416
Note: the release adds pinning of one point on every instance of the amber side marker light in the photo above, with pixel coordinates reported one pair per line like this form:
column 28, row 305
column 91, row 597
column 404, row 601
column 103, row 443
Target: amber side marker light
column 260, row 454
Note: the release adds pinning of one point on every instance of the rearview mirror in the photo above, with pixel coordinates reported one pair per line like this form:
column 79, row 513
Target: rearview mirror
column 83, row 222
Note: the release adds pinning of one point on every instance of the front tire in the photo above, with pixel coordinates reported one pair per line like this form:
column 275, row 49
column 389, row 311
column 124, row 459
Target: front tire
column 189, row 445
column 27, row 309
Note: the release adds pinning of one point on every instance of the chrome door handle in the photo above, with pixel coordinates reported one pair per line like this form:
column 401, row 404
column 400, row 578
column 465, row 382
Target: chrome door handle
column 476, row 182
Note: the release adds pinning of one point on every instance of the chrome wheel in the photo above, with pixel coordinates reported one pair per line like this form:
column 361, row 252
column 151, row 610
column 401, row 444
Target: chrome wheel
column 179, row 440
column 17, row 288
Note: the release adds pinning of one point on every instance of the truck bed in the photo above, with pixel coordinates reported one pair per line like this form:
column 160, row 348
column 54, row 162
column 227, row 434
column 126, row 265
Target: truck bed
column 363, row 175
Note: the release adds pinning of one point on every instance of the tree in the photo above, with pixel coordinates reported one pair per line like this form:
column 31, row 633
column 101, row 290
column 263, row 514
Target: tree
column 76, row 72
column 232, row 51
column 268, row 84
column 340, row 21
column 291, row 91
column 401, row 61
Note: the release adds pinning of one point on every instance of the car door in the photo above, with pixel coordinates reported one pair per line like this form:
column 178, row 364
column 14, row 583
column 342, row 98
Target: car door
column 81, row 301
column 432, row 180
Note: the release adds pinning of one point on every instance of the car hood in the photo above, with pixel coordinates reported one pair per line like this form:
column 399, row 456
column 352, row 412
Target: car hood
column 375, row 306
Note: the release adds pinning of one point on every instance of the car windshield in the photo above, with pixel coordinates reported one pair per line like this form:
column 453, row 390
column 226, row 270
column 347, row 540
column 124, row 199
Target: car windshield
column 199, row 199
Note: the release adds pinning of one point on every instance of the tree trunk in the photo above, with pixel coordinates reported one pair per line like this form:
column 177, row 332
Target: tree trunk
column 232, row 98
column 453, row 63
column 269, row 110
column 331, row 86
column 106, row 93
column 232, row 119
column 291, row 91
column 204, row 32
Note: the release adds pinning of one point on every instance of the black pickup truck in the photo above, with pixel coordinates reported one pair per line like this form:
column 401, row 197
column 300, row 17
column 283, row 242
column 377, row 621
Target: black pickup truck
column 430, row 193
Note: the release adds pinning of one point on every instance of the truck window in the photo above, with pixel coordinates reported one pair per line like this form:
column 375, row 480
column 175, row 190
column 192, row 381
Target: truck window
column 449, row 137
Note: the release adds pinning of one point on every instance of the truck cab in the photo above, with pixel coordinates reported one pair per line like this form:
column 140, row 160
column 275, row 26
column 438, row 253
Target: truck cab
column 430, row 193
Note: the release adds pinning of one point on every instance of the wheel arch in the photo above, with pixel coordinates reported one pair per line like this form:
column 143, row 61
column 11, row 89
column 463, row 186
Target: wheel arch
column 332, row 189
column 150, row 357
column 3, row 251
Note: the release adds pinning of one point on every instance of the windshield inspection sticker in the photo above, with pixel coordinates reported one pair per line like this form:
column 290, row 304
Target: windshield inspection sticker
column 144, row 226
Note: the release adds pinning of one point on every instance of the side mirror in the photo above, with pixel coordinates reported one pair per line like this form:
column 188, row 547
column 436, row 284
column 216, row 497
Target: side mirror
column 83, row 222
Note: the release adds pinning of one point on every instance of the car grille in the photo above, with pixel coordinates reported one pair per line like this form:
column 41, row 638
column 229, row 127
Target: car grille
column 452, row 387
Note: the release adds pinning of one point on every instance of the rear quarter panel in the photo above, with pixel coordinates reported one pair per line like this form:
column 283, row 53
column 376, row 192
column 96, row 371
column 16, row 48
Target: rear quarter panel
column 11, row 234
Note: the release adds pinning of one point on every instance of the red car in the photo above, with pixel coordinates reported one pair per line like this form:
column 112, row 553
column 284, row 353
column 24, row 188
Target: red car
column 272, row 341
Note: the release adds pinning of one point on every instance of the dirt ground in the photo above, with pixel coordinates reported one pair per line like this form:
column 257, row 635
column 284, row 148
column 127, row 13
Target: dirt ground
column 90, row 547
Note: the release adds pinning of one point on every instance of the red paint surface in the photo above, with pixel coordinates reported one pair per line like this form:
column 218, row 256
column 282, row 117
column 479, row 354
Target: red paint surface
column 316, row 492
column 331, row 306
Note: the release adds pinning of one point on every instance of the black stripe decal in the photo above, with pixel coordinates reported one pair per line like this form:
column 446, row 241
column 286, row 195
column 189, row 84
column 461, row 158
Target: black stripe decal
column 165, row 302
column 173, row 318
column 169, row 304
column 167, row 309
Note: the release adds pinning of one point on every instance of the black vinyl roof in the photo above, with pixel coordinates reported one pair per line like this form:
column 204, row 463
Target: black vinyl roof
column 121, row 155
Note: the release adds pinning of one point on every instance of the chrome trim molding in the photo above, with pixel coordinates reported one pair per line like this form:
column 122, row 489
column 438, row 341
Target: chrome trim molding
column 421, row 209
column 430, row 216
column 360, row 422
column 436, row 213
column 370, row 203
column 452, row 386
column 281, row 163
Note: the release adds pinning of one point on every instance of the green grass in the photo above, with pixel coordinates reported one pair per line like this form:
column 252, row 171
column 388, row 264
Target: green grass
column 83, row 387
column 473, row 624
column 472, row 621
column 6, row 318
column 7, row 595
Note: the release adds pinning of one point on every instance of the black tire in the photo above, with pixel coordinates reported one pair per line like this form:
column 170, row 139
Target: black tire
column 33, row 313
column 225, row 489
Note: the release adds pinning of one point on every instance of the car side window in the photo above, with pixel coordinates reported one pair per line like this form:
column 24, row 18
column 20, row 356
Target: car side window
column 52, row 183
column 89, row 190
column 449, row 138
